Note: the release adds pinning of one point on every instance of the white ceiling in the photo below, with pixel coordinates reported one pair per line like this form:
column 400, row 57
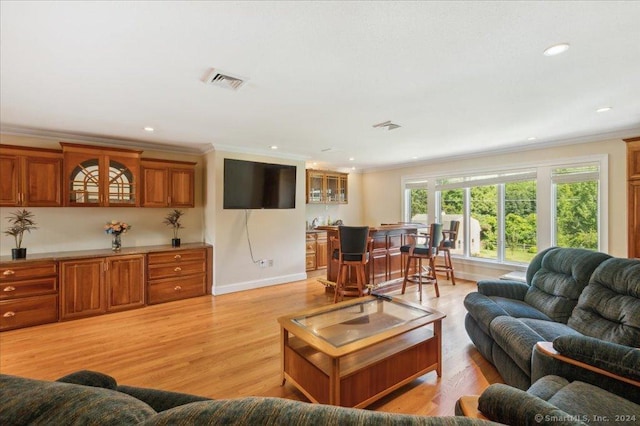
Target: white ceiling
column 458, row 77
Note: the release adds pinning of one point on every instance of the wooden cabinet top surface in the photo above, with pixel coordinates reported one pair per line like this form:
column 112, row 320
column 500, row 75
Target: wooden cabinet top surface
column 84, row 254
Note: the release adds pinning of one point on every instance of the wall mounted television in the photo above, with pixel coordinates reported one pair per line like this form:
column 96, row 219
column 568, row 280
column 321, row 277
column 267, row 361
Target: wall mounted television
column 254, row 185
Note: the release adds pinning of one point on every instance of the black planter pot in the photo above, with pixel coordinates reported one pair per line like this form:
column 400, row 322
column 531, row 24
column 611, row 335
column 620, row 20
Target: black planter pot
column 175, row 242
column 19, row 253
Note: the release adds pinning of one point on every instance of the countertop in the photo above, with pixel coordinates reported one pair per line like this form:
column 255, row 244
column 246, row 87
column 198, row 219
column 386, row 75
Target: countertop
column 66, row 255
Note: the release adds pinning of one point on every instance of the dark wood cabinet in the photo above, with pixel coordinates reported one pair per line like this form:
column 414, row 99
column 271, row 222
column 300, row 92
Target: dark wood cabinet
column 316, row 250
column 96, row 286
column 633, row 196
column 82, row 288
column 28, row 294
column 175, row 275
column 30, row 177
column 168, row 183
column 125, row 283
column 100, row 177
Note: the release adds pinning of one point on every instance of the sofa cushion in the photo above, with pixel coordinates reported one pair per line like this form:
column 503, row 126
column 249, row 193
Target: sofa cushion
column 557, row 285
column 609, row 307
column 517, row 337
column 590, row 404
column 278, row 411
column 36, row 402
column 485, row 309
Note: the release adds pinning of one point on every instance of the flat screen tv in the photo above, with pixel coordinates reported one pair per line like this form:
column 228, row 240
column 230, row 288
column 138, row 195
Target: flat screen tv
column 254, row 185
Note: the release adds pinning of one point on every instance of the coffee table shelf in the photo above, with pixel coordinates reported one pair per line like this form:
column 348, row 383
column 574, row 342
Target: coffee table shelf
column 356, row 372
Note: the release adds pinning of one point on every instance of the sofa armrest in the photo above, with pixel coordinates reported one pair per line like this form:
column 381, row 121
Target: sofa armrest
column 604, row 358
column 512, row 406
column 467, row 406
column 503, row 288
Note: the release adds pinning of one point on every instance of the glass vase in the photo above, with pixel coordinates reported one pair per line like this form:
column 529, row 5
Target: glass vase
column 116, row 243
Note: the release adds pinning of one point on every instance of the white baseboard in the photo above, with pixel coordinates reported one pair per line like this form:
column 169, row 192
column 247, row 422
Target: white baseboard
column 249, row 285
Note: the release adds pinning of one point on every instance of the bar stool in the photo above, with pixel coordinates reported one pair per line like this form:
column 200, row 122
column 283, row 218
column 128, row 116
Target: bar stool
column 448, row 243
column 418, row 252
column 353, row 251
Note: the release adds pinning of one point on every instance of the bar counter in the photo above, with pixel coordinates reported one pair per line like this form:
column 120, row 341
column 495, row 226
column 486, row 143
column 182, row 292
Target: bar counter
column 385, row 259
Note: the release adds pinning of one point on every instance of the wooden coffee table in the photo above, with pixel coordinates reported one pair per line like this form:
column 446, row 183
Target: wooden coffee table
column 355, row 352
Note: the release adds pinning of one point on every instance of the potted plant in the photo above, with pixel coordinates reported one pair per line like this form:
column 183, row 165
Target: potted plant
column 19, row 222
column 116, row 228
column 173, row 220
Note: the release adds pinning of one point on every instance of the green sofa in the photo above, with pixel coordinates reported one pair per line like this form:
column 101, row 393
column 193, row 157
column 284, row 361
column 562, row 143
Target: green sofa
column 90, row 398
column 586, row 303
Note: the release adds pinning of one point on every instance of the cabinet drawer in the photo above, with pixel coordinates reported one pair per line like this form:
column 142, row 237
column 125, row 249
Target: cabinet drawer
column 311, row 262
column 176, row 256
column 27, row 270
column 176, row 270
column 311, row 247
column 28, row 288
column 175, row 289
column 28, row 311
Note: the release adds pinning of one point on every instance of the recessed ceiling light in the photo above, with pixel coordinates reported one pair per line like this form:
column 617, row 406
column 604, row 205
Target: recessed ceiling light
column 353, row 168
column 556, row 49
column 149, row 129
column 531, row 138
column 415, row 157
column 603, row 109
column 351, row 158
column 273, row 147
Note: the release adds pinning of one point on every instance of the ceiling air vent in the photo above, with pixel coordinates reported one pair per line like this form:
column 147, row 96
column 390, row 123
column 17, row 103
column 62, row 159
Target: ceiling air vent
column 220, row 79
column 387, row 125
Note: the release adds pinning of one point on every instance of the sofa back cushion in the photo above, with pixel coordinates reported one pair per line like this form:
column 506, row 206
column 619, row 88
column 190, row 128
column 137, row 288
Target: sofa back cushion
column 609, row 307
column 563, row 275
column 36, row 402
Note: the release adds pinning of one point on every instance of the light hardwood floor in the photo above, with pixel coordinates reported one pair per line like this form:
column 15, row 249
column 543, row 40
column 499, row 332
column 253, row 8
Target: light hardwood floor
column 228, row 346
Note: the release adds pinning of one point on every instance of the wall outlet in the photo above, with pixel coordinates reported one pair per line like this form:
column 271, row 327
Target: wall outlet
column 264, row 263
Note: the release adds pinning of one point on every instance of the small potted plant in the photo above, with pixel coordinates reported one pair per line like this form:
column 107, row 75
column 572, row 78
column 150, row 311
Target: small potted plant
column 19, row 222
column 173, row 220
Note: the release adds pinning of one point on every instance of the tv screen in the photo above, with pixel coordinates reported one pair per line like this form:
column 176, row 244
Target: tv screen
column 253, row 185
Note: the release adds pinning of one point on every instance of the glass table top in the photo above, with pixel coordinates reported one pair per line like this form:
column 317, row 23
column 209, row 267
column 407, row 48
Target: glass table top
column 344, row 325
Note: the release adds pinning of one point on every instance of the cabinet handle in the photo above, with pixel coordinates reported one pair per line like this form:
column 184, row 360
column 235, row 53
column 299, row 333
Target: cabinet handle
column 177, row 269
column 9, row 288
column 9, row 272
column 177, row 288
column 177, row 256
column 9, row 314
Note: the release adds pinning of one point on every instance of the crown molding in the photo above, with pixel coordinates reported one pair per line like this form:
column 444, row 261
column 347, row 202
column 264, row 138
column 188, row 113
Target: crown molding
column 530, row 146
column 199, row 149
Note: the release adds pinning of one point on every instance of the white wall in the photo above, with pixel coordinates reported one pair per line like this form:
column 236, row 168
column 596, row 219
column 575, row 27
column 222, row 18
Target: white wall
column 81, row 228
column 382, row 200
column 278, row 235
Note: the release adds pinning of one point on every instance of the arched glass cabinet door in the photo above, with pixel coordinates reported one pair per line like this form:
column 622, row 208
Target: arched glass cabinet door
column 101, row 177
column 121, row 185
column 84, row 183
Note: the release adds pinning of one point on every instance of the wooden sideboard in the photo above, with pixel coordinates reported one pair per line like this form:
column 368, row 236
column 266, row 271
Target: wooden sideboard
column 51, row 287
column 385, row 259
column 633, row 197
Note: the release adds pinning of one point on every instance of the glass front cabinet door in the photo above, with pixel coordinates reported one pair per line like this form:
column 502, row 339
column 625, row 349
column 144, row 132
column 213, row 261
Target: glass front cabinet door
column 101, row 177
column 326, row 187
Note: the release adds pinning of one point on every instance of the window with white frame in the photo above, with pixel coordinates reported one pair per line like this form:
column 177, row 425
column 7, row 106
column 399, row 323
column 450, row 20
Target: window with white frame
column 500, row 214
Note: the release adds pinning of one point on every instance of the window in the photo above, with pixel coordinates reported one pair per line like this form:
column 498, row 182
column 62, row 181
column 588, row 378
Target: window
column 576, row 198
column 499, row 211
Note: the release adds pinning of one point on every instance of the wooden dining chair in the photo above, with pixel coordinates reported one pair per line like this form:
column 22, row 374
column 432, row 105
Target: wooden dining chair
column 418, row 252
